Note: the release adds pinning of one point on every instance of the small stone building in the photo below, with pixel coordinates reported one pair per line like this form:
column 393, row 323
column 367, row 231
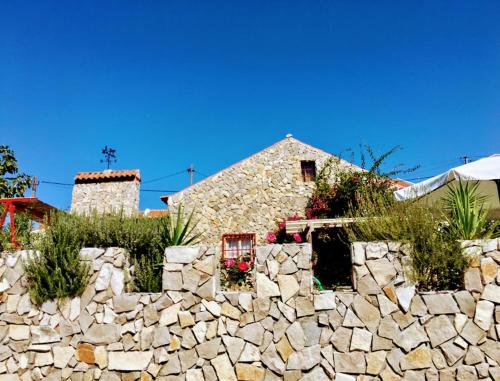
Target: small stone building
column 107, row 191
column 252, row 195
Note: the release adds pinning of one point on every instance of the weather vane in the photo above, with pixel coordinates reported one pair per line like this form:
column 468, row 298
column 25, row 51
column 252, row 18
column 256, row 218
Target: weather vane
column 109, row 156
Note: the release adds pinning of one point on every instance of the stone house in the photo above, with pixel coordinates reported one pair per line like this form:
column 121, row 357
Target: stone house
column 247, row 199
column 107, row 191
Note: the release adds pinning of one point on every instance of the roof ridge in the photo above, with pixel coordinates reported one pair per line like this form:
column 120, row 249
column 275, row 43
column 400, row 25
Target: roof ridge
column 288, row 137
column 108, row 175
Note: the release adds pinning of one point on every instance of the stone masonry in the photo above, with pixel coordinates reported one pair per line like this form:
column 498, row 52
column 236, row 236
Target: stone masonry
column 108, row 191
column 384, row 330
column 254, row 194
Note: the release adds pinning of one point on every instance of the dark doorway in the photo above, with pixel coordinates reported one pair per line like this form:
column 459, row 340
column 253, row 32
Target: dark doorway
column 332, row 258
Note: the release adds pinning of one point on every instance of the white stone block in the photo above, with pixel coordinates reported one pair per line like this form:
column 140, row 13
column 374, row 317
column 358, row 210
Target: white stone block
column 181, row 254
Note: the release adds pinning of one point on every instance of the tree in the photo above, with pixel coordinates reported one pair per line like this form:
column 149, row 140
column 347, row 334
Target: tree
column 12, row 183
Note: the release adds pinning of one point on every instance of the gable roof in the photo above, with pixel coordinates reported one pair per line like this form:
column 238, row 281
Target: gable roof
column 288, row 137
column 107, row 176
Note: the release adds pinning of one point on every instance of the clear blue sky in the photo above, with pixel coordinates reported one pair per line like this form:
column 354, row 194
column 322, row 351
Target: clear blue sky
column 170, row 83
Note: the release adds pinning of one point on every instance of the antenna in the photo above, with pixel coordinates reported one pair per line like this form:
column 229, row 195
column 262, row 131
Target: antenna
column 109, row 156
column 191, row 173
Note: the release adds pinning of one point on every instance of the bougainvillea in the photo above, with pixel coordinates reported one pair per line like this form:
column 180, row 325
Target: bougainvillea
column 280, row 236
column 340, row 190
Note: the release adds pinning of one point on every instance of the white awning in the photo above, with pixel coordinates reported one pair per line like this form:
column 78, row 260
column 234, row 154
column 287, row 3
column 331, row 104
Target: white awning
column 485, row 170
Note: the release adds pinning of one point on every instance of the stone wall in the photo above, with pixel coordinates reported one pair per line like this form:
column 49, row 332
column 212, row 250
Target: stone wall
column 383, row 330
column 111, row 196
column 254, row 194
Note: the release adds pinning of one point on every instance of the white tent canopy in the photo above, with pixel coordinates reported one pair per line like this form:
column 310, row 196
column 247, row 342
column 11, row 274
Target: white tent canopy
column 486, row 171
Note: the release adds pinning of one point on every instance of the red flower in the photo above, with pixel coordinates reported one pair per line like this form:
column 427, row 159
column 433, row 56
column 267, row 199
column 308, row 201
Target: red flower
column 271, row 237
column 297, row 238
column 242, row 266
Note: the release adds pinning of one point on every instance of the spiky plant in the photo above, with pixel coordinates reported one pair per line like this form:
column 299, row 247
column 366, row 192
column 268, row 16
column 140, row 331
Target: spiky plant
column 179, row 231
column 467, row 215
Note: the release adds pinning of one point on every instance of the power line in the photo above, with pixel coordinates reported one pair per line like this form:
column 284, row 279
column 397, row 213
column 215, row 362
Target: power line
column 54, row 183
column 201, row 173
column 163, row 177
column 420, row 178
column 159, row 190
column 142, row 190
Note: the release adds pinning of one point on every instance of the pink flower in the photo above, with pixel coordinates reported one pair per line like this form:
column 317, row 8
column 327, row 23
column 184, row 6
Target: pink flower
column 282, row 225
column 271, row 237
column 297, row 237
column 229, row 262
column 243, row 266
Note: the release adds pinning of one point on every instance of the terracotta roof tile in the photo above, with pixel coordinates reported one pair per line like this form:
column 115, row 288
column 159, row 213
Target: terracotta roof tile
column 154, row 212
column 400, row 183
column 108, row 175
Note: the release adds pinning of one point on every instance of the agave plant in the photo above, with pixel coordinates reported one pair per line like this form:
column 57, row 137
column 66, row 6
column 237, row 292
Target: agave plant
column 467, row 215
column 178, row 231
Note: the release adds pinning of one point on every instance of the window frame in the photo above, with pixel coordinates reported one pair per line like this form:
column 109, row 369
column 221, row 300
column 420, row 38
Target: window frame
column 239, row 250
column 308, row 170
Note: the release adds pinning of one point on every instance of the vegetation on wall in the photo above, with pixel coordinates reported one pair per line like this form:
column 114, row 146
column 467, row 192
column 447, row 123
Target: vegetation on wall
column 279, row 235
column 58, row 271
column 432, row 232
column 436, row 255
column 340, row 189
column 144, row 239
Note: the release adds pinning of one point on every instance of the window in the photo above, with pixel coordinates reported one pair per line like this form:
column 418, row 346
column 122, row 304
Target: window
column 237, row 262
column 308, row 170
column 237, row 245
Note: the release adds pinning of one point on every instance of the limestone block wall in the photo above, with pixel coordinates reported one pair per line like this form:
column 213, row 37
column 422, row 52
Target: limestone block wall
column 111, row 196
column 285, row 330
column 254, row 194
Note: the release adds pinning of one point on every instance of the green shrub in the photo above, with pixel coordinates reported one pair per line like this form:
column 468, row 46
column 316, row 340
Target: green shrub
column 144, row 239
column 58, row 271
column 148, row 273
column 437, row 259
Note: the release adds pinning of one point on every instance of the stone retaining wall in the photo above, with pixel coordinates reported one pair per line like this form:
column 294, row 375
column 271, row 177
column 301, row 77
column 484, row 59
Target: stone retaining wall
column 383, row 330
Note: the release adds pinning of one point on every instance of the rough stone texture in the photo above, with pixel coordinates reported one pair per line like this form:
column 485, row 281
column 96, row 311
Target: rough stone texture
column 195, row 332
column 253, row 194
column 106, row 196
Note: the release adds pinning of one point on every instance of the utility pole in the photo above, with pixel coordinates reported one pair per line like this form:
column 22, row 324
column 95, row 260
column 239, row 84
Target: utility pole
column 33, row 187
column 191, row 173
column 109, row 156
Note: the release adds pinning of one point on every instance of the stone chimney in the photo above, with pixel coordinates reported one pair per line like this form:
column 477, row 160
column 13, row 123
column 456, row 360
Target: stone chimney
column 107, row 191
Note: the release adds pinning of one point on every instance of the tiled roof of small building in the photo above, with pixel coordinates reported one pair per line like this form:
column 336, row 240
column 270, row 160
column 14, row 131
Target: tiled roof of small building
column 400, row 183
column 108, row 175
column 154, row 212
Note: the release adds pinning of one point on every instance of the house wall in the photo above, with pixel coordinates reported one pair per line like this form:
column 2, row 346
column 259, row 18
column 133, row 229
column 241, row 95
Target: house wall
column 254, row 194
column 383, row 330
column 106, row 197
